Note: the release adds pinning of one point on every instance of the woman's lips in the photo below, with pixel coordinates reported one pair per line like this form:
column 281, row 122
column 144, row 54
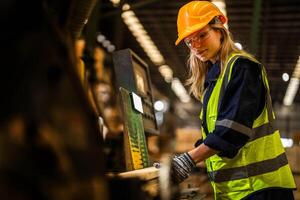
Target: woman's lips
column 200, row 53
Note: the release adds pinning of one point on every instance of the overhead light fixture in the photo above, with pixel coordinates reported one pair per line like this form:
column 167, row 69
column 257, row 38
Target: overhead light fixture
column 159, row 106
column 287, row 142
column 115, row 2
column 105, row 42
column 180, row 91
column 141, row 35
column 291, row 92
column 238, row 45
column 285, row 77
column 126, row 7
column 166, row 72
column 293, row 86
column 100, row 38
column 145, row 41
column 111, row 48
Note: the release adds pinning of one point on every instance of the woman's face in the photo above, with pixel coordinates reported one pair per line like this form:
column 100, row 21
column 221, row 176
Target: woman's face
column 205, row 43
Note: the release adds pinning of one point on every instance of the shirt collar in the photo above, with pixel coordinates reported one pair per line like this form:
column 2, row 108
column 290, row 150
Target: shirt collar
column 212, row 74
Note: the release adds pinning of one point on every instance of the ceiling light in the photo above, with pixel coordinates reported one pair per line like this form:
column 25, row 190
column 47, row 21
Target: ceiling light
column 293, row 86
column 127, row 14
column 166, row 72
column 238, row 45
column 151, row 50
column 287, row 142
column 115, row 2
column 291, row 92
column 159, row 105
column 131, row 20
column 180, row 91
column 126, row 6
column 285, row 77
column 141, row 35
column 100, row 38
column 159, row 116
column 111, row 48
column 106, row 43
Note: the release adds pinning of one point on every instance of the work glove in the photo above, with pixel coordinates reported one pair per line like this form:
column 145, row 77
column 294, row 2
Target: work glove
column 181, row 167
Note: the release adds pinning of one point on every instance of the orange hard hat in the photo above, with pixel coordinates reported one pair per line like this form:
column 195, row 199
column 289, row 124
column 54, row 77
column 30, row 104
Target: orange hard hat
column 194, row 15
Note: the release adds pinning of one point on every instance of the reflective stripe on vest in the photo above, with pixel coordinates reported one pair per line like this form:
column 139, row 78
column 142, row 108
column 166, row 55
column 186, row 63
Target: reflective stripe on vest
column 235, row 126
column 249, row 170
column 253, row 134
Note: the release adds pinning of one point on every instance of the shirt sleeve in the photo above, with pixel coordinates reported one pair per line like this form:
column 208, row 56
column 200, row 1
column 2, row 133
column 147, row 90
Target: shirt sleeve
column 242, row 103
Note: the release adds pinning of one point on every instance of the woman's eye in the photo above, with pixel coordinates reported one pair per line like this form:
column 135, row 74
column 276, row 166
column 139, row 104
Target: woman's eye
column 202, row 35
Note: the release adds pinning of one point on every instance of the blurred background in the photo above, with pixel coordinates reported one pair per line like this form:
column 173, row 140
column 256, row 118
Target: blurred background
column 61, row 117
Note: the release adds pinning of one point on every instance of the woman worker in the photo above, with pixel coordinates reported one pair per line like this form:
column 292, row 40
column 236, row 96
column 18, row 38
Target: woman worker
column 241, row 146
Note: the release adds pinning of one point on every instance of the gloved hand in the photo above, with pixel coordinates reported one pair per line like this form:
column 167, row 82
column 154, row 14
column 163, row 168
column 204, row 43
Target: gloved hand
column 181, row 167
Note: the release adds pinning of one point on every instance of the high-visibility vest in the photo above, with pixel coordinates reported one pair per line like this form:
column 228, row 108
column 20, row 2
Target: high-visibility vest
column 261, row 163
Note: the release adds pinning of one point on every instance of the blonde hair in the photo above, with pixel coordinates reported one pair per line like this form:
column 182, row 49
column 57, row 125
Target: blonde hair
column 198, row 69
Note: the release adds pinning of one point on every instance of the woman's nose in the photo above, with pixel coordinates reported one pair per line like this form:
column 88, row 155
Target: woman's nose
column 196, row 44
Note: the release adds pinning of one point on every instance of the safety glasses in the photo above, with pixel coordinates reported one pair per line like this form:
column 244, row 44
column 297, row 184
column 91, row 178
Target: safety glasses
column 198, row 37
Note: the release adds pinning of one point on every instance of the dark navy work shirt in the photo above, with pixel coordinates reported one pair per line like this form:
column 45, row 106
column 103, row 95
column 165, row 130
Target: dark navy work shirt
column 243, row 101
